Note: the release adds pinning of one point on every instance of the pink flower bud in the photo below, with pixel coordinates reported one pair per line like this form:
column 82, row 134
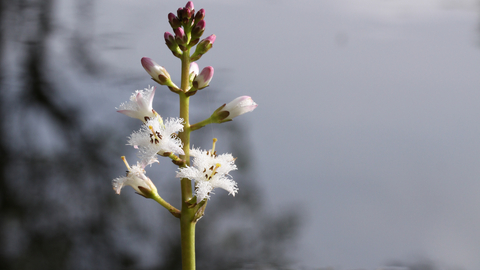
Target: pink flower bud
column 203, row 47
column 211, row 39
column 181, row 38
column 200, row 15
column 179, row 33
column 169, row 38
column 172, row 44
column 158, row 73
column 186, row 13
column 173, row 20
column 194, row 68
column 180, row 13
column 204, row 78
column 198, row 30
column 189, row 5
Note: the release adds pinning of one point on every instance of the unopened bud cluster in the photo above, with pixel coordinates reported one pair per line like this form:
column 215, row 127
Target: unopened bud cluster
column 188, row 27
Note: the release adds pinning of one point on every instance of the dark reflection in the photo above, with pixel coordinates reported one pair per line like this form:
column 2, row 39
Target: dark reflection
column 418, row 264
column 58, row 210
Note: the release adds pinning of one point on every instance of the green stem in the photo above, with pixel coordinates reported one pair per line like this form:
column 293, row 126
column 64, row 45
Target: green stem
column 201, row 124
column 174, row 211
column 187, row 223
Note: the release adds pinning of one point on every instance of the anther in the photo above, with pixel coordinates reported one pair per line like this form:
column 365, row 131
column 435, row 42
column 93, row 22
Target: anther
column 214, row 171
column 157, row 138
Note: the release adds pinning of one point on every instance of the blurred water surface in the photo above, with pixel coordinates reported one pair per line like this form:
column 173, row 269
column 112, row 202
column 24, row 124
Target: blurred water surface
column 366, row 133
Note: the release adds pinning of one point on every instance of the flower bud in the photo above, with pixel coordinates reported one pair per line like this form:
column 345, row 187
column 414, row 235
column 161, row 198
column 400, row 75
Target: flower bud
column 158, row 73
column 189, row 5
column 200, row 15
column 180, row 14
column 194, row 69
column 181, row 38
column 204, row 78
column 185, row 14
column 204, row 46
column 174, row 21
column 198, row 29
column 172, row 44
column 233, row 109
column 169, row 38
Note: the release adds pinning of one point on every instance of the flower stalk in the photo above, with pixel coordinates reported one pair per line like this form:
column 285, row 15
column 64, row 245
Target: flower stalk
column 170, row 137
column 187, row 223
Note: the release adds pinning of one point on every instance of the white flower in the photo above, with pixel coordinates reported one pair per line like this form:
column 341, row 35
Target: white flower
column 156, row 137
column 210, row 171
column 136, row 178
column 140, row 105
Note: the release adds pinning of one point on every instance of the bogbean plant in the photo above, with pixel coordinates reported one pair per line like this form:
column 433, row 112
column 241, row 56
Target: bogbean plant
column 170, row 137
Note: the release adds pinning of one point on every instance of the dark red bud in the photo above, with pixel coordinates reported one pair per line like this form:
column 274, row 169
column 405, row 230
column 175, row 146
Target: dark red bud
column 189, row 5
column 173, row 20
column 180, row 35
column 198, row 30
column 200, row 15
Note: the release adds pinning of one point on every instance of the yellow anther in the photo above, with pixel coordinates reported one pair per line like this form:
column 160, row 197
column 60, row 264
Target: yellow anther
column 157, row 139
column 214, row 170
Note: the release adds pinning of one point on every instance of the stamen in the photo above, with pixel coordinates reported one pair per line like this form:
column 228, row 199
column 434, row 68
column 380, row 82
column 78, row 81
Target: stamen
column 126, row 163
column 213, row 171
column 213, row 147
column 155, row 134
